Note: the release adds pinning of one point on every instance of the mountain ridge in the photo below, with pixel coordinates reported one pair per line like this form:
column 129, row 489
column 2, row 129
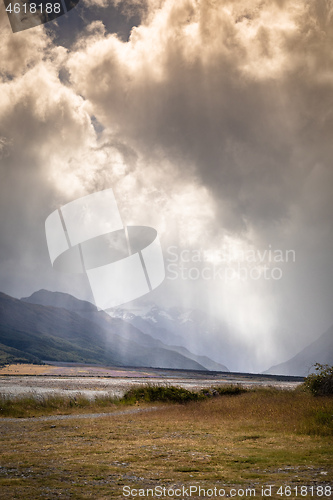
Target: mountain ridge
column 139, row 330
column 318, row 351
column 47, row 332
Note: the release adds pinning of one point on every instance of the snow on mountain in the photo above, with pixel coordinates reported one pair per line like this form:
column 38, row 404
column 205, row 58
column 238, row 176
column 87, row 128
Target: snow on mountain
column 136, row 339
column 188, row 328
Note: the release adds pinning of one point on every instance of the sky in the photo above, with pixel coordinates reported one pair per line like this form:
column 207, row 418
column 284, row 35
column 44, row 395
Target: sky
column 212, row 122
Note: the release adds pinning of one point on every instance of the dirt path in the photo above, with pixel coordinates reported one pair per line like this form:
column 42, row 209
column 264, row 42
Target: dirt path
column 49, row 418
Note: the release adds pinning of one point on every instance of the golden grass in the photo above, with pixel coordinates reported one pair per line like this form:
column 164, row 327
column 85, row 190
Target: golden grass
column 254, row 439
column 24, row 369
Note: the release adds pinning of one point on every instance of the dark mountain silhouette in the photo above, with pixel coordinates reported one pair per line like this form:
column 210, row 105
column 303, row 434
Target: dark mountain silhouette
column 40, row 332
column 140, row 331
column 60, row 299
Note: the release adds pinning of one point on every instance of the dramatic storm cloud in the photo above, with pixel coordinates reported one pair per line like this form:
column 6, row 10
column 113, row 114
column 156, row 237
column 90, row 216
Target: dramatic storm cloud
column 212, row 121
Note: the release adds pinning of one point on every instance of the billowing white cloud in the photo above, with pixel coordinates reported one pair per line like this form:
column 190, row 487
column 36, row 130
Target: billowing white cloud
column 212, row 123
column 211, row 85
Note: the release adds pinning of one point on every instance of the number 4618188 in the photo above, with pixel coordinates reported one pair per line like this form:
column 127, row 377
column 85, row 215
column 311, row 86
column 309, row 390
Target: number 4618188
column 32, row 8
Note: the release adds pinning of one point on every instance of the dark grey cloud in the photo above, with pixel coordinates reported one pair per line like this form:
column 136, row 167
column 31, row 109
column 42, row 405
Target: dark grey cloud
column 237, row 96
column 209, row 120
column 240, row 133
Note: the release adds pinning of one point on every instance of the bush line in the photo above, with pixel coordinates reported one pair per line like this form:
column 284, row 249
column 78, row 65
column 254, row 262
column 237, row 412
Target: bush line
column 25, row 405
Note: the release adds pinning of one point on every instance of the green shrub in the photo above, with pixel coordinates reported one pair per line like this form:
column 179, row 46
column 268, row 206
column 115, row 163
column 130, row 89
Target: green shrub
column 163, row 393
column 230, row 390
column 321, row 382
column 173, row 394
column 32, row 404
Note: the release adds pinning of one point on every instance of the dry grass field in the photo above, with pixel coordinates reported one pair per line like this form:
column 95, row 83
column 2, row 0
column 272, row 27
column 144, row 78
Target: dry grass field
column 257, row 438
column 24, row 369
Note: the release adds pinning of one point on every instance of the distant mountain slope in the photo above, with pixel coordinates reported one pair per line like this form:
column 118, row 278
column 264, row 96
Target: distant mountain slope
column 59, row 299
column 50, row 333
column 189, row 328
column 136, row 329
column 320, row 351
column 9, row 355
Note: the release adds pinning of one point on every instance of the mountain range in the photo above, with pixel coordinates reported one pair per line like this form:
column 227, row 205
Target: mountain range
column 193, row 329
column 55, row 326
column 319, row 351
